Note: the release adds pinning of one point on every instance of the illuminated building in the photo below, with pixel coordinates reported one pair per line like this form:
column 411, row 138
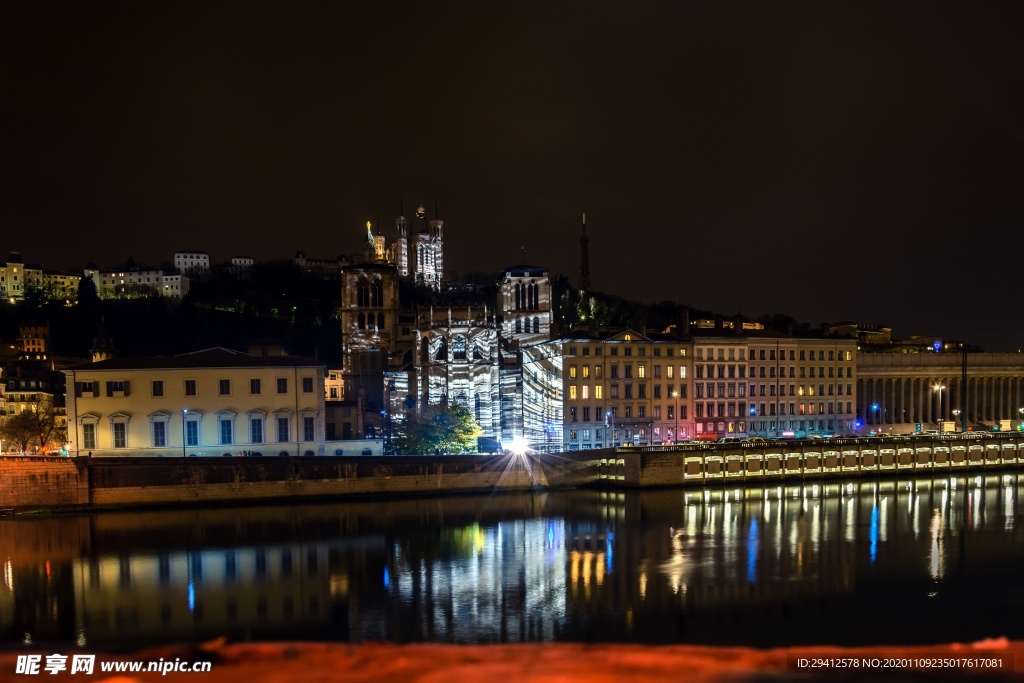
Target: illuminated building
column 398, row 355
column 898, row 391
column 205, row 403
column 128, row 283
column 458, row 363
column 781, row 386
column 625, row 388
column 192, row 263
column 525, row 300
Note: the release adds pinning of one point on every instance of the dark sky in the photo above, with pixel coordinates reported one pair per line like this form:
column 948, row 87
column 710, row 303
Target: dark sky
column 830, row 160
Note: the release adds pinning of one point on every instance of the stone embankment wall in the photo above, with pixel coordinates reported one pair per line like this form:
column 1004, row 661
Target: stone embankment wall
column 43, row 482
column 122, row 482
column 115, row 482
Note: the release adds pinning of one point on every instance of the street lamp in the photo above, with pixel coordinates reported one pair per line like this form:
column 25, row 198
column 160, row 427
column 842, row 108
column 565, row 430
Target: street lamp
column 938, row 390
column 675, row 395
column 609, row 418
column 1020, row 411
column 956, row 415
column 877, row 410
column 184, row 440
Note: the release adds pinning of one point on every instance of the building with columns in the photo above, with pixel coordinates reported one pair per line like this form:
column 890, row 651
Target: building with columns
column 898, row 391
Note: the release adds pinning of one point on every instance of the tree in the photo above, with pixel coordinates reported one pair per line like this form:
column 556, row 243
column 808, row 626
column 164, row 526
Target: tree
column 37, row 425
column 87, row 295
column 46, row 422
column 19, row 429
column 448, row 429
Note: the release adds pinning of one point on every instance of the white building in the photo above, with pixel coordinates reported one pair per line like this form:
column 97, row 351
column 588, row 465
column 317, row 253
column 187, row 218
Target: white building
column 212, row 402
column 192, row 263
column 128, row 283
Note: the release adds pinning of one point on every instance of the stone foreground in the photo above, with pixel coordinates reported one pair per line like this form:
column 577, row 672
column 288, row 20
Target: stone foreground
column 541, row 663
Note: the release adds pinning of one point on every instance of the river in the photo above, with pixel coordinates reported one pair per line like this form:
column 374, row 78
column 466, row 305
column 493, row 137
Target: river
column 907, row 561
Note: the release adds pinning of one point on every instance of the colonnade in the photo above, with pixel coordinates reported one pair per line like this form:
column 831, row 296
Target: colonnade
column 885, row 401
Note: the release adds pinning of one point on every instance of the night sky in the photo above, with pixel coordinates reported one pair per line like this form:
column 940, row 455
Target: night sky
column 829, row 160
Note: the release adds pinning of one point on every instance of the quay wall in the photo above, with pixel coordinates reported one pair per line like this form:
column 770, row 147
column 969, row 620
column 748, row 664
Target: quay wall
column 122, row 482
column 32, row 483
column 649, row 466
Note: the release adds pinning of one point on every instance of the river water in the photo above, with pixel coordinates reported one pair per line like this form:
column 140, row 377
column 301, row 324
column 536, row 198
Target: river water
column 885, row 561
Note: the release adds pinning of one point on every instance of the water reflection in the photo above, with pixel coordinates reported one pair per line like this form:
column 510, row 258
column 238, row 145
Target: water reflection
column 857, row 563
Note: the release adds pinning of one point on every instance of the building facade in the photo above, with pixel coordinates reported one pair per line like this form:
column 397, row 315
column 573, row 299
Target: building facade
column 192, row 263
column 795, row 387
column 215, row 402
column 128, row 283
column 899, row 391
column 626, row 388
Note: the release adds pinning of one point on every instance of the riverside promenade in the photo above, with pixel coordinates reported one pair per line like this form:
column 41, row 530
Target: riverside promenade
column 34, row 483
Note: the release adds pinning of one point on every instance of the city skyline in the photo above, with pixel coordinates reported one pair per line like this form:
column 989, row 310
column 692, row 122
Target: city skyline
column 853, row 161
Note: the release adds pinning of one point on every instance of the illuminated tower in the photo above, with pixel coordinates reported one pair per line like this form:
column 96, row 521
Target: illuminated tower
column 526, row 305
column 402, row 243
column 584, row 259
column 429, row 249
column 379, row 247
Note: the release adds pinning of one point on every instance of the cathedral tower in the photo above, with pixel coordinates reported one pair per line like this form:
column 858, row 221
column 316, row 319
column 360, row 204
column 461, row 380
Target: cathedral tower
column 526, row 304
column 402, row 242
column 429, row 249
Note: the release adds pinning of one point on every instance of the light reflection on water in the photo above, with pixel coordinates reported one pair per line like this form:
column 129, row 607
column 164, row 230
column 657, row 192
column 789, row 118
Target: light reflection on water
column 849, row 563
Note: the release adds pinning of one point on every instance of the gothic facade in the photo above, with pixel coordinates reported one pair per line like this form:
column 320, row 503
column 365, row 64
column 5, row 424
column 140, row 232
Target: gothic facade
column 398, row 356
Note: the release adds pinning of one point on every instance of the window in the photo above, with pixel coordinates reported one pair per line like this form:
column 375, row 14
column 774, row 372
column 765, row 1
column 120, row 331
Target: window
column 572, row 414
column 256, row 429
column 226, row 435
column 159, row 434
column 668, row 372
column 308, row 427
column 586, row 371
column 282, row 385
column 307, row 385
column 282, row 429
column 254, row 386
column 586, row 414
column 225, row 387
column 641, row 370
column 459, row 348
column 572, row 372
column 599, row 392
column 119, row 432
column 572, row 392
column 615, row 391
column 585, row 392
column 158, row 388
column 89, row 435
column 190, row 387
column 192, row 433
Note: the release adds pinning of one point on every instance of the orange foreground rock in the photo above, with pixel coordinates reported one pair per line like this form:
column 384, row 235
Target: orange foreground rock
column 557, row 662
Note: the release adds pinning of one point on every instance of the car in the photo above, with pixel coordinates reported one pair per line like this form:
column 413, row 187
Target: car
column 729, row 439
column 755, row 439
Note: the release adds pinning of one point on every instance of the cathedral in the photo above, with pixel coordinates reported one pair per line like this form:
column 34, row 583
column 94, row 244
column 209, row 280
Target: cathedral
column 403, row 351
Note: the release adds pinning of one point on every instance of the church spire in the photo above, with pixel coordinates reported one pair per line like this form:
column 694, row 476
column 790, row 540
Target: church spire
column 584, row 259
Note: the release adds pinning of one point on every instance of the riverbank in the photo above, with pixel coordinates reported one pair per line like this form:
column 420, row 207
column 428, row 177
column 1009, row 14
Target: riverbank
column 996, row 659
column 32, row 483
